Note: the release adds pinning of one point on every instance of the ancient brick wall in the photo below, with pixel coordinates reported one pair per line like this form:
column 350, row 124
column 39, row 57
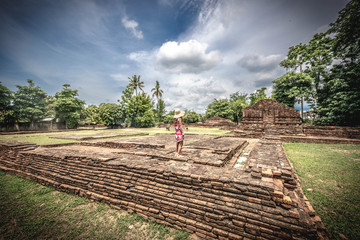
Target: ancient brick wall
column 269, row 110
column 332, row 131
column 268, row 113
column 219, row 122
column 263, row 200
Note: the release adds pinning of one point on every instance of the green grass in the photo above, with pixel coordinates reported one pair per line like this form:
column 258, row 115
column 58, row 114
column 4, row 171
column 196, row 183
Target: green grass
column 31, row 211
column 330, row 178
column 44, row 138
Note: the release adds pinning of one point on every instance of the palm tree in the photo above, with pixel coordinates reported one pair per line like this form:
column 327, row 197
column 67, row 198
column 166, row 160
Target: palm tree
column 157, row 92
column 136, row 83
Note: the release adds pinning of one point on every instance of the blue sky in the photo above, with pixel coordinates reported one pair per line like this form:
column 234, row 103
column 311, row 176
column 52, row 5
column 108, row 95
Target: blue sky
column 197, row 49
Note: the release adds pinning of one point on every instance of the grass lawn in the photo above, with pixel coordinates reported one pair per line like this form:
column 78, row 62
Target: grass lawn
column 330, row 178
column 44, row 138
column 29, row 210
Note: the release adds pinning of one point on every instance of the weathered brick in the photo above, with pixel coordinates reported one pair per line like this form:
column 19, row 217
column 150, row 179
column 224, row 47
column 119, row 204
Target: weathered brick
column 220, row 232
column 278, row 194
column 238, row 223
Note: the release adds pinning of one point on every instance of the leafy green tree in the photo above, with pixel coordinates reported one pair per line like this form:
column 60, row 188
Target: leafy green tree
column 346, row 29
column 160, row 110
column 220, row 108
column 30, row 103
column 339, row 101
column 92, row 114
column 169, row 118
column 136, row 83
column 319, row 56
column 6, row 109
column 191, row 117
column 111, row 114
column 282, row 90
column 339, row 98
column 137, row 109
column 292, row 86
column 50, row 111
column 68, row 107
column 258, row 95
column 140, row 111
column 238, row 102
column 296, row 58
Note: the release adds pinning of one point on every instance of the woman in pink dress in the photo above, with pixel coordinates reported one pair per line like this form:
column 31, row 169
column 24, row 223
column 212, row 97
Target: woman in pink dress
column 179, row 133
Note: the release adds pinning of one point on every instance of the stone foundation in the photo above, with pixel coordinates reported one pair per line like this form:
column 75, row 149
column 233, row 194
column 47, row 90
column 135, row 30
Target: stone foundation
column 262, row 200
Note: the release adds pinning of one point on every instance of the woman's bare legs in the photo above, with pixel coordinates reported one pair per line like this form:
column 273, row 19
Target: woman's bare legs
column 177, row 149
column 179, row 146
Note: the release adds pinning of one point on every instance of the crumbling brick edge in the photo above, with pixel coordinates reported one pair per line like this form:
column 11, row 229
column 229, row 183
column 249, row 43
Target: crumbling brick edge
column 212, row 202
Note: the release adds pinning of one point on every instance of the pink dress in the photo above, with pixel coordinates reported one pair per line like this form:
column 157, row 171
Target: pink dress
column 178, row 135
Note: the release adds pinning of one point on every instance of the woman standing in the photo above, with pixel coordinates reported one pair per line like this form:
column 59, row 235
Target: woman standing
column 179, row 133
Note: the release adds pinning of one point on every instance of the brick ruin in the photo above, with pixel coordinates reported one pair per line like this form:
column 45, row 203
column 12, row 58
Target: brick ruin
column 270, row 114
column 216, row 121
column 202, row 192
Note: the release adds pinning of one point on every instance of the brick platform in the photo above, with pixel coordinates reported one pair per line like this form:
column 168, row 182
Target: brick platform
column 262, row 200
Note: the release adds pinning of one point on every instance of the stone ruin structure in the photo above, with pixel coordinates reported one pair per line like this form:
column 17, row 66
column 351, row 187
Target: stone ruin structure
column 202, row 193
column 220, row 122
column 269, row 114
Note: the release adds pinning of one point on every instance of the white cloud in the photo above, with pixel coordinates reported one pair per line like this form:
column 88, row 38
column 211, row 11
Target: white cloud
column 132, row 26
column 192, row 92
column 260, row 63
column 140, row 56
column 186, row 57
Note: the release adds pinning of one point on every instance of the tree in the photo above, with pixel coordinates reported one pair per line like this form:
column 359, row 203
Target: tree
column 220, row 108
column 6, row 110
column 169, row 118
column 111, row 114
column 160, row 110
column 160, row 105
column 137, row 109
column 339, row 98
column 157, row 92
column 319, row 57
column 282, row 90
column 140, row 111
column 347, row 33
column 135, row 83
column 191, row 117
column 292, row 86
column 238, row 102
column 92, row 114
column 296, row 58
column 258, row 95
column 30, row 103
column 68, row 107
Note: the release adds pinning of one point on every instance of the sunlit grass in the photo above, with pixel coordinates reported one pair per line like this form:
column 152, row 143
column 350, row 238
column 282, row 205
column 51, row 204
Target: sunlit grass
column 31, row 211
column 330, row 178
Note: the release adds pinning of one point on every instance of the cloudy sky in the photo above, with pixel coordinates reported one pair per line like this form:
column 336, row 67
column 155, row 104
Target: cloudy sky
column 197, row 49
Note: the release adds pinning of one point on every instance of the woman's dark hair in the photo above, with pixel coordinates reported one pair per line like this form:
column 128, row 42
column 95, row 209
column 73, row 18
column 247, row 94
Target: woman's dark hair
column 176, row 120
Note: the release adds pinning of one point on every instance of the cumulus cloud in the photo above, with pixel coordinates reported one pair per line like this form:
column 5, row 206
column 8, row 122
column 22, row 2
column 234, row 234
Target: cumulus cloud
column 186, row 57
column 132, row 26
column 192, row 92
column 260, row 63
